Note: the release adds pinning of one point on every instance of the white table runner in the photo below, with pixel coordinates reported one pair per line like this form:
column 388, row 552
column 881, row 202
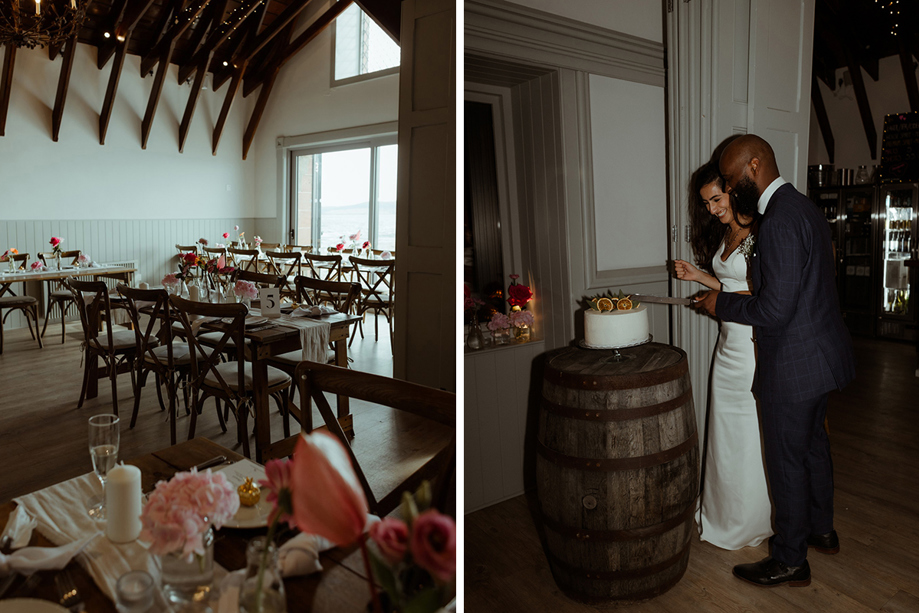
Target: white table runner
column 314, row 335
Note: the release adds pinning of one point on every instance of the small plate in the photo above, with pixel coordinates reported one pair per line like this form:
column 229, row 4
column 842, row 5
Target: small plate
column 583, row 344
column 29, row 605
column 246, row 517
column 254, row 320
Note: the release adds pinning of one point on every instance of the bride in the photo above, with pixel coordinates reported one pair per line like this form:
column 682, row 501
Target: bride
column 734, row 510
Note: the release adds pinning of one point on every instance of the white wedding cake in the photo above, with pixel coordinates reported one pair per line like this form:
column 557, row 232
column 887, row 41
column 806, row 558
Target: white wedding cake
column 603, row 329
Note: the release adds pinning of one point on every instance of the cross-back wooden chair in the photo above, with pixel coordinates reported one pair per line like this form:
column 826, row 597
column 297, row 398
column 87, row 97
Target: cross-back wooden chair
column 300, row 248
column 117, row 348
column 11, row 302
column 286, row 263
column 244, row 259
column 168, row 358
column 343, row 295
column 230, row 382
column 317, row 380
column 58, row 294
column 324, row 267
column 270, row 246
column 377, row 295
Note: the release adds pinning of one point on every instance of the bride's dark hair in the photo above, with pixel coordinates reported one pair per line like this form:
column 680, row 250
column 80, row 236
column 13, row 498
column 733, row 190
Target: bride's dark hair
column 706, row 231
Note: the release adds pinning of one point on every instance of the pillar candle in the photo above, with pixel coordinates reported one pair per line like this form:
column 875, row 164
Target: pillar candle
column 123, row 504
column 193, row 293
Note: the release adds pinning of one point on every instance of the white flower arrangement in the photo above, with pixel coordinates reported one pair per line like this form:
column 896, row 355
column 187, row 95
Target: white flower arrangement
column 747, row 246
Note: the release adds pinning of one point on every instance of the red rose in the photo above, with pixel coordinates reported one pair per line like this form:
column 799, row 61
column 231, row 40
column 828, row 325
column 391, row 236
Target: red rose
column 434, row 544
column 339, row 246
column 190, row 258
column 55, row 241
column 391, row 536
column 519, row 295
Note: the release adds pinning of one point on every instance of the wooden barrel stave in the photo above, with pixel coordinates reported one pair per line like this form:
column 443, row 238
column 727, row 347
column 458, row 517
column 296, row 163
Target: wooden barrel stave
column 617, row 534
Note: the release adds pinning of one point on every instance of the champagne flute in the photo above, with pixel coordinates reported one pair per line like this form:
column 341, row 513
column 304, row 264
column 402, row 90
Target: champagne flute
column 104, row 439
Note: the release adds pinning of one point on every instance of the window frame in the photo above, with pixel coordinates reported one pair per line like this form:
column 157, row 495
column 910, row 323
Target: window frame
column 361, row 77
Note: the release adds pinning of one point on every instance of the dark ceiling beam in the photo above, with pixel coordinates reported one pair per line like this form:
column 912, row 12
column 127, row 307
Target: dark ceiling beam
column 6, row 84
column 823, row 72
column 154, row 99
column 267, row 86
column 822, row 119
column 909, row 76
column 106, row 50
column 63, row 84
column 307, row 36
column 864, row 108
column 235, row 82
column 219, row 36
column 54, row 50
column 280, row 22
column 233, row 61
column 386, row 13
column 212, row 21
column 174, row 8
column 181, row 23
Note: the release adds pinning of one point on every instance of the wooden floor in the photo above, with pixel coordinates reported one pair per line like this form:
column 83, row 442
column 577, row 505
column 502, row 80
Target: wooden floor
column 43, row 436
column 874, row 432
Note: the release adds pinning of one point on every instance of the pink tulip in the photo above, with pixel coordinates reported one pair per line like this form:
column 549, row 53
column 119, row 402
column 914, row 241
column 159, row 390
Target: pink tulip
column 434, row 544
column 391, row 537
column 277, row 484
column 221, row 262
column 327, row 497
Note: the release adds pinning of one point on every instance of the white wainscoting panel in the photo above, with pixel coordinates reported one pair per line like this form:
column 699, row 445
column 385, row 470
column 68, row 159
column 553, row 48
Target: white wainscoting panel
column 149, row 242
column 497, row 402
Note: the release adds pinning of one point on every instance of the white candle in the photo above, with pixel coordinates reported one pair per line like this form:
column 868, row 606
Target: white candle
column 123, row 504
column 38, row 7
column 193, row 293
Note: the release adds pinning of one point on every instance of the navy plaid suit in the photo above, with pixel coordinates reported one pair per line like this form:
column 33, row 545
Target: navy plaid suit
column 803, row 352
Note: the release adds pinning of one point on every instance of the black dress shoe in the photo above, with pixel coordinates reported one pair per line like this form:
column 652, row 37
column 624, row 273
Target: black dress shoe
column 824, row 543
column 769, row 572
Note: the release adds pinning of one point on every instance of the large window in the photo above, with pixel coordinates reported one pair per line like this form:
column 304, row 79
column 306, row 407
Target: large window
column 361, row 47
column 341, row 190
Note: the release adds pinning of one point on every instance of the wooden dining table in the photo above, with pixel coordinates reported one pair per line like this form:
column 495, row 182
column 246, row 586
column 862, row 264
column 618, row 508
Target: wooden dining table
column 341, row 587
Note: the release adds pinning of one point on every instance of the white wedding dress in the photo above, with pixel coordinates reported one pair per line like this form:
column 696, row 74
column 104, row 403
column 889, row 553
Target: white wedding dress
column 735, row 510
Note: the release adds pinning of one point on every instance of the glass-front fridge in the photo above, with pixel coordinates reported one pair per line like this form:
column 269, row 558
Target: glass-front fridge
column 897, row 237
column 849, row 210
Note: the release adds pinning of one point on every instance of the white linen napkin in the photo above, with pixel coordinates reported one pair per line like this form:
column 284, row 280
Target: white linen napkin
column 313, row 311
column 31, row 559
column 19, row 528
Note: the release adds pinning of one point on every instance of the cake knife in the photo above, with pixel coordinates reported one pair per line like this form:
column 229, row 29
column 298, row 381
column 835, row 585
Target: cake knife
column 661, row 299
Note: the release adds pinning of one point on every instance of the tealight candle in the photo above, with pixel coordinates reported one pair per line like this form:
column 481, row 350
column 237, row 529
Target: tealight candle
column 123, row 504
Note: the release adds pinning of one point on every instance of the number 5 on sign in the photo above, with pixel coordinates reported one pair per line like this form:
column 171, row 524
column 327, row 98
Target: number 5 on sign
column 270, row 301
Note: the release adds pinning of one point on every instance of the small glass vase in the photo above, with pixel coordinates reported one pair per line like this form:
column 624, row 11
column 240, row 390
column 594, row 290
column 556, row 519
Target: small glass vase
column 12, row 266
column 57, row 261
column 273, row 598
column 522, row 334
column 501, row 336
column 187, row 583
column 475, row 340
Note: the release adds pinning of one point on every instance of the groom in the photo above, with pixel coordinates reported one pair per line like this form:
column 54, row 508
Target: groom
column 803, row 352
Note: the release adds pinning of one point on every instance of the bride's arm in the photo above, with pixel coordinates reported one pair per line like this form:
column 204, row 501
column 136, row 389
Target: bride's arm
column 687, row 272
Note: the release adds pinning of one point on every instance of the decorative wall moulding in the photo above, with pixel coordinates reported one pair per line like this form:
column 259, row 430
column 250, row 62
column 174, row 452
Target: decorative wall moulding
column 512, row 31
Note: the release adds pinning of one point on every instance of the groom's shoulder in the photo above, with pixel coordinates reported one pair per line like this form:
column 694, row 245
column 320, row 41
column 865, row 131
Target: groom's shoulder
column 788, row 202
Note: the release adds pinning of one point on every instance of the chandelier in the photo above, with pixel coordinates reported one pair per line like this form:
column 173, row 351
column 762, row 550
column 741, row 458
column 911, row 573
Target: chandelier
column 49, row 23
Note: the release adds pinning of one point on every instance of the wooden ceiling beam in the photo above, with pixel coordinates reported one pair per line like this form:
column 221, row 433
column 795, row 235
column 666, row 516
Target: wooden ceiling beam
column 106, row 49
column 154, row 99
column 235, row 82
column 823, row 119
column 864, row 107
column 6, row 84
column 307, row 36
column 909, row 76
column 253, row 25
column 200, row 75
column 181, row 23
column 54, row 51
column 214, row 18
column 280, row 22
column 385, row 13
column 63, row 85
column 267, row 86
column 219, row 36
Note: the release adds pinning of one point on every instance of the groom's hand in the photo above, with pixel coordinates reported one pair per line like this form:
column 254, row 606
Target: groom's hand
column 706, row 301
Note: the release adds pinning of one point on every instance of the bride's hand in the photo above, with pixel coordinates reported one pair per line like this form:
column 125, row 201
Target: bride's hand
column 686, row 271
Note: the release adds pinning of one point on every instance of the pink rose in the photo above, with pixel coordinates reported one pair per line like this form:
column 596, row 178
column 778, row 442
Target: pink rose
column 434, row 544
column 226, row 235
column 55, row 241
column 36, row 266
column 391, row 536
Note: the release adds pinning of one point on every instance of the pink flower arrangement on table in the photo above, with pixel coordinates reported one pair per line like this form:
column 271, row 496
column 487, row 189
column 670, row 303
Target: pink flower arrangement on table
column 246, row 289
column 180, row 511
column 84, row 260
column 55, row 243
column 170, row 280
column 521, row 319
column 257, row 240
column 227, row 234
column 202, row 242
column 340, row 247
column 366, row 245
column 8, row 253
column 499, row 321
column 37, row 266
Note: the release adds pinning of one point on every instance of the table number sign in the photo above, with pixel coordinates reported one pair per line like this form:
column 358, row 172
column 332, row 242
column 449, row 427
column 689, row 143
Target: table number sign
column 270, row 302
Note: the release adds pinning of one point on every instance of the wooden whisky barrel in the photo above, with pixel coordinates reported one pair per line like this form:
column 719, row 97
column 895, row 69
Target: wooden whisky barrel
column 617, row 470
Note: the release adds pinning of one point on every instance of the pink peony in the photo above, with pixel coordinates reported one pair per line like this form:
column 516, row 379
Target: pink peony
column 434, row 544
column 519, row 319
column 170, row 279
column 327, row 497
column 246, row 289
column 499, row 321
column 277, row 482
column 391, row 537
column 36, row 266
column 180, row 511
column 227, row 234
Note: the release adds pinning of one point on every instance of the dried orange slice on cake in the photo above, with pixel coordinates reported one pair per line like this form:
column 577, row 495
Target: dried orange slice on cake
column 605, row 304
column 624, row 304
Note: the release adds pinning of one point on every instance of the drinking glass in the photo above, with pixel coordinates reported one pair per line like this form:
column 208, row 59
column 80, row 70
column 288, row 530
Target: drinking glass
column 104, row 439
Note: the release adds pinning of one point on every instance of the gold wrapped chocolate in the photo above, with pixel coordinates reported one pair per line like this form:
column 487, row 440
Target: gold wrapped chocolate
column 249, row 493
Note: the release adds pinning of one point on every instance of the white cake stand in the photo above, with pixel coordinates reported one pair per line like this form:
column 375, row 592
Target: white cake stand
column 616, row 357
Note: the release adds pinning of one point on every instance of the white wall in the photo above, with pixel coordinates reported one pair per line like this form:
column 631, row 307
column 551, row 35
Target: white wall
column 636, row 17
column 304, row 102
column 886, row 95
column 77, row 178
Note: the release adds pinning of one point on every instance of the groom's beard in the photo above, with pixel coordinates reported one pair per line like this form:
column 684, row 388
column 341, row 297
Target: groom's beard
column 746, row 197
